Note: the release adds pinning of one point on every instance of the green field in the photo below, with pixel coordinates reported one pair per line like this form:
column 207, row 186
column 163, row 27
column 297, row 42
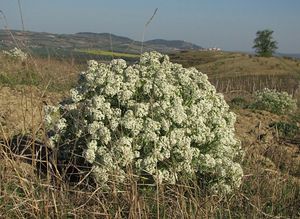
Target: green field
column 108, row 53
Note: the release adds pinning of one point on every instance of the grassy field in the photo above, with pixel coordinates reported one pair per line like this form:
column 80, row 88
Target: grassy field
column 271, row 185
column 108, row 53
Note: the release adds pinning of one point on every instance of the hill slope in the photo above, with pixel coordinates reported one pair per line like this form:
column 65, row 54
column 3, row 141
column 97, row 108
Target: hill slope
column 88, row 40
column 238, row 71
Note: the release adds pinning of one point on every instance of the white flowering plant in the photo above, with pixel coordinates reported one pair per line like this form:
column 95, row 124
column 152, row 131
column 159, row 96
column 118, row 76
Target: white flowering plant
column 16, row 53
column 274, row 101
column 156, row 117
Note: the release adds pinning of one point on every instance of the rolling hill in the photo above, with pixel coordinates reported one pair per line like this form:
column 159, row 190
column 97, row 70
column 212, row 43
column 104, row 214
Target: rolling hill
column 88, row 40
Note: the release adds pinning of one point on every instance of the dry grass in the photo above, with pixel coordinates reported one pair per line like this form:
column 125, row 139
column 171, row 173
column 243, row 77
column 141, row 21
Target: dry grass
column 46, row 74
column 265, row 193
column 270, row 188
column 229, row 64
column 237, row 72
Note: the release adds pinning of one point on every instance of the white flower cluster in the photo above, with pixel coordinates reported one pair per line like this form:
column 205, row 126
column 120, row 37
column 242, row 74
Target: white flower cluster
column 274, row 101
column 157, row 117
column 16, row 53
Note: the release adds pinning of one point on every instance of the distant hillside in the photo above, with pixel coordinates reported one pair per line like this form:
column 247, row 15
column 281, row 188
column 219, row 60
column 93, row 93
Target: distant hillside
column 88, row 40
column 178, row 44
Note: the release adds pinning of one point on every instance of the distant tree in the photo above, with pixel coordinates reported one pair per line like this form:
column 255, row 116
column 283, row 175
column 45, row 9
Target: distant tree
column 264, row 44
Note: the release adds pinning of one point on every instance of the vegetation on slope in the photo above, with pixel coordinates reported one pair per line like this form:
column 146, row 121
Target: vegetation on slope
column 108, row 53
column 230, row 71
column 270, row 188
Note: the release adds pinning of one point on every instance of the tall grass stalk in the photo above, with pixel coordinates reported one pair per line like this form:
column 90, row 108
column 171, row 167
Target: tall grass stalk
column 145, row 27
column 21, row 15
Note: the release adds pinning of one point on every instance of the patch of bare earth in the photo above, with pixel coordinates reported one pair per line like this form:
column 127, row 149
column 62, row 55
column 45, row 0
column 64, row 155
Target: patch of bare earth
column 21, row 109
column 263, row 145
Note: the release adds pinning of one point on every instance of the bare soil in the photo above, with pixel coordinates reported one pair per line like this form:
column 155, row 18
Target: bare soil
column 263, row 142
column 21, row 109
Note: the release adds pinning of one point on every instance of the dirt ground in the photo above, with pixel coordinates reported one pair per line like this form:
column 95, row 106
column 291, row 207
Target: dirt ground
column 21, row 109
column 263, row 142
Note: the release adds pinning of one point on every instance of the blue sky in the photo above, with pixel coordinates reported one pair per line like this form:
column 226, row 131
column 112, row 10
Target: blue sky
column 229, row 24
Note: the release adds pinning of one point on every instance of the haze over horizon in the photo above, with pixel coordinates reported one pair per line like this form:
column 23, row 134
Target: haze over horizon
column 228, row 24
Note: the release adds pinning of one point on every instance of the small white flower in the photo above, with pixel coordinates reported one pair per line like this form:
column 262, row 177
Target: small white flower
column 90, row 155
column 76, row 97
column 61, row 124
column 92, row 64
column 16, row 53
